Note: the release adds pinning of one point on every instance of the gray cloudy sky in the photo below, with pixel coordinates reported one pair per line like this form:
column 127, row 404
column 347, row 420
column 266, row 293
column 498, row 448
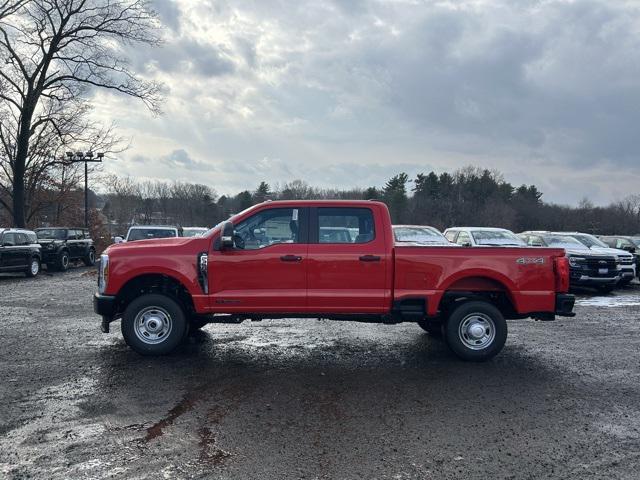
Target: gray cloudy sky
column 348, row 93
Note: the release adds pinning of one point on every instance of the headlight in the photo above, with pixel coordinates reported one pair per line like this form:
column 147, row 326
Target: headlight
column 577, row 261
column 103, row 273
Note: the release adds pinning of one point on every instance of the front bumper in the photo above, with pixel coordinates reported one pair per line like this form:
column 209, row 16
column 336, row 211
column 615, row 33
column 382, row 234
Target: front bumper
column 589, row 281
column 49, row 256
column 105, row 306
column 627, row 274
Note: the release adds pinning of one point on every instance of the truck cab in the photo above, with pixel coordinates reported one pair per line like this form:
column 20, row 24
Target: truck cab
column 330, row 259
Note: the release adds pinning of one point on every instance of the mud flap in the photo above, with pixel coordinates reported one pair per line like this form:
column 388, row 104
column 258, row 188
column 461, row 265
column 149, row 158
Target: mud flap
column 104, row 326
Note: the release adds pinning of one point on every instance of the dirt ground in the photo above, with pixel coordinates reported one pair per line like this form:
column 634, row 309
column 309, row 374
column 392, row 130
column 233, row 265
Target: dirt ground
column 313, row 399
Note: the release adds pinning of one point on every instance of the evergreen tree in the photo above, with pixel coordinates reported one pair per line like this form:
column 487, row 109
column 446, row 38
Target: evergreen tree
column 394, row 195
column 262, row 193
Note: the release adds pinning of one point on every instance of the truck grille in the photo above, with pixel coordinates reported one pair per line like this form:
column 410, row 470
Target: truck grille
column 594, row 265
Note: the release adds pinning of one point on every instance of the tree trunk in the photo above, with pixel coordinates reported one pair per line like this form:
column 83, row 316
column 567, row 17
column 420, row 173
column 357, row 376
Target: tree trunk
column 19, row 207
column 19, row 166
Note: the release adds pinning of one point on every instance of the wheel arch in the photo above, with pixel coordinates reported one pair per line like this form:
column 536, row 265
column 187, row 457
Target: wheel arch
column 487, row 286
column 160, row 283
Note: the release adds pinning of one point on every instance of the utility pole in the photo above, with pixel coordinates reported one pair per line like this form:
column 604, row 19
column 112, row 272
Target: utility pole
column 86, row 157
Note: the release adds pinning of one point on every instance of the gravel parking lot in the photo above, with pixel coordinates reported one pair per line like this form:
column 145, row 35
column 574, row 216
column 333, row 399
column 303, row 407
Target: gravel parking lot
column 313, row 399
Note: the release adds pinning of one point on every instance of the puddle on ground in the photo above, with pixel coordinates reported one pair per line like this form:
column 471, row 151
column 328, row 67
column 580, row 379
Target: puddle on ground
column 610, row 301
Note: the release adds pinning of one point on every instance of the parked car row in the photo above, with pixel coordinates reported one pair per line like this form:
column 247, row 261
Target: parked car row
column 602, row 263
column 26, row 250
column 149, row 232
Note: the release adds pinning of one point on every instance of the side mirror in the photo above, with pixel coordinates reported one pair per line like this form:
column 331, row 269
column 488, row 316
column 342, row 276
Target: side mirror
column 466, row 244
column 226, row 236
column 118, row 239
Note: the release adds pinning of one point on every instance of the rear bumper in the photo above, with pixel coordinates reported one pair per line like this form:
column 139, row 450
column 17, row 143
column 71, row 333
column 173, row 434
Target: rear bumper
column 564, row 305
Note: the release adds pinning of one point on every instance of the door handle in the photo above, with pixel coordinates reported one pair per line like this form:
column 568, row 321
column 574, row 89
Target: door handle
column 291, row 258
column 369, row 258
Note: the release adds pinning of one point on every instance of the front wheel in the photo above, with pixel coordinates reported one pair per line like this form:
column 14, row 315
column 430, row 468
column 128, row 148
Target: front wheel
column 34, row 268
column 154, row 324
column 90, row 258
column 476, row 331
column 63, row 262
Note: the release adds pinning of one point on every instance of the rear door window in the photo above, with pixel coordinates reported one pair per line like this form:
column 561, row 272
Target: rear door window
column 21, row 239
column 345, row 225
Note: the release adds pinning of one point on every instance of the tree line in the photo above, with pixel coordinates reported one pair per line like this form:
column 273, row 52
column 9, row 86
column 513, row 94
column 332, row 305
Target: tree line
column 471, row 196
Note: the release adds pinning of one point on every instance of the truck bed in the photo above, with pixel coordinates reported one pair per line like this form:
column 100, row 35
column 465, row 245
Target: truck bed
column 525, row 275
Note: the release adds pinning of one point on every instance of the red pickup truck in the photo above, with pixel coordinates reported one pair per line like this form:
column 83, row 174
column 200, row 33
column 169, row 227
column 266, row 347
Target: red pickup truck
column 329, row 259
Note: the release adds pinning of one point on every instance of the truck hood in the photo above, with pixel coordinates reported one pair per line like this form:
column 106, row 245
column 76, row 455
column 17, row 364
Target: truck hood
column 152, row 243
column 611, row 251
column 47, row 241
column 587, row 252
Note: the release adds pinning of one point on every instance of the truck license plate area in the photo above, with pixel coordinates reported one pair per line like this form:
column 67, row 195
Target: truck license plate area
column 603, row 271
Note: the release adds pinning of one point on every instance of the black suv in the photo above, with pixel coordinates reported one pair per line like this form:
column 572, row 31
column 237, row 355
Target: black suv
column 60, row 246
column 19, row 251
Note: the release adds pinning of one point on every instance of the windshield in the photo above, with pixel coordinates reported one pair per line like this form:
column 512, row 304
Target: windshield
column 636, row 240
column 419, row 235
column 52, row 234
column 150, row 233
column 193, row 232
column 590, row 240
column 561, row 241
column 496, row 237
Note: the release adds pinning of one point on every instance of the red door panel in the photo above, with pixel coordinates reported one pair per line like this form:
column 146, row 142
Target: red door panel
column 272, row 279
column 347, row 277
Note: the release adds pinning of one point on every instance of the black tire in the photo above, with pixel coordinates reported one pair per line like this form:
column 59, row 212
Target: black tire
column 34, row 268
column 163, row 315
column 62, row 263
column 90, row 259
column 469, row 319
column 432, row 328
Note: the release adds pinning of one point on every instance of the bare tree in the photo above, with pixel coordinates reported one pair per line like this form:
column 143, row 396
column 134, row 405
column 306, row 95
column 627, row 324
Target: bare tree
column 53, row 52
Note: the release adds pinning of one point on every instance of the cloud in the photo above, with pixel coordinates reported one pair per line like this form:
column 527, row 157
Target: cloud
column 344, row 93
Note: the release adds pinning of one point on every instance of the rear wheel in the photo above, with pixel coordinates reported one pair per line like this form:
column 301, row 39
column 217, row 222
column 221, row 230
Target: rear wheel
column 34, row 268
column 476, row 331
column 432, row 328
column 154, row 324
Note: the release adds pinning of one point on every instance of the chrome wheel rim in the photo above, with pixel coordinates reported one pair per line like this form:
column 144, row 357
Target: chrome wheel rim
column 35, row 267
column 477, row 331
column 92, row 256
column 65, row 261
column 153, row 325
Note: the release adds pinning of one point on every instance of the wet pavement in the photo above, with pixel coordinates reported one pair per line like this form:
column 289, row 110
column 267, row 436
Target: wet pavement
column 313, row 399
